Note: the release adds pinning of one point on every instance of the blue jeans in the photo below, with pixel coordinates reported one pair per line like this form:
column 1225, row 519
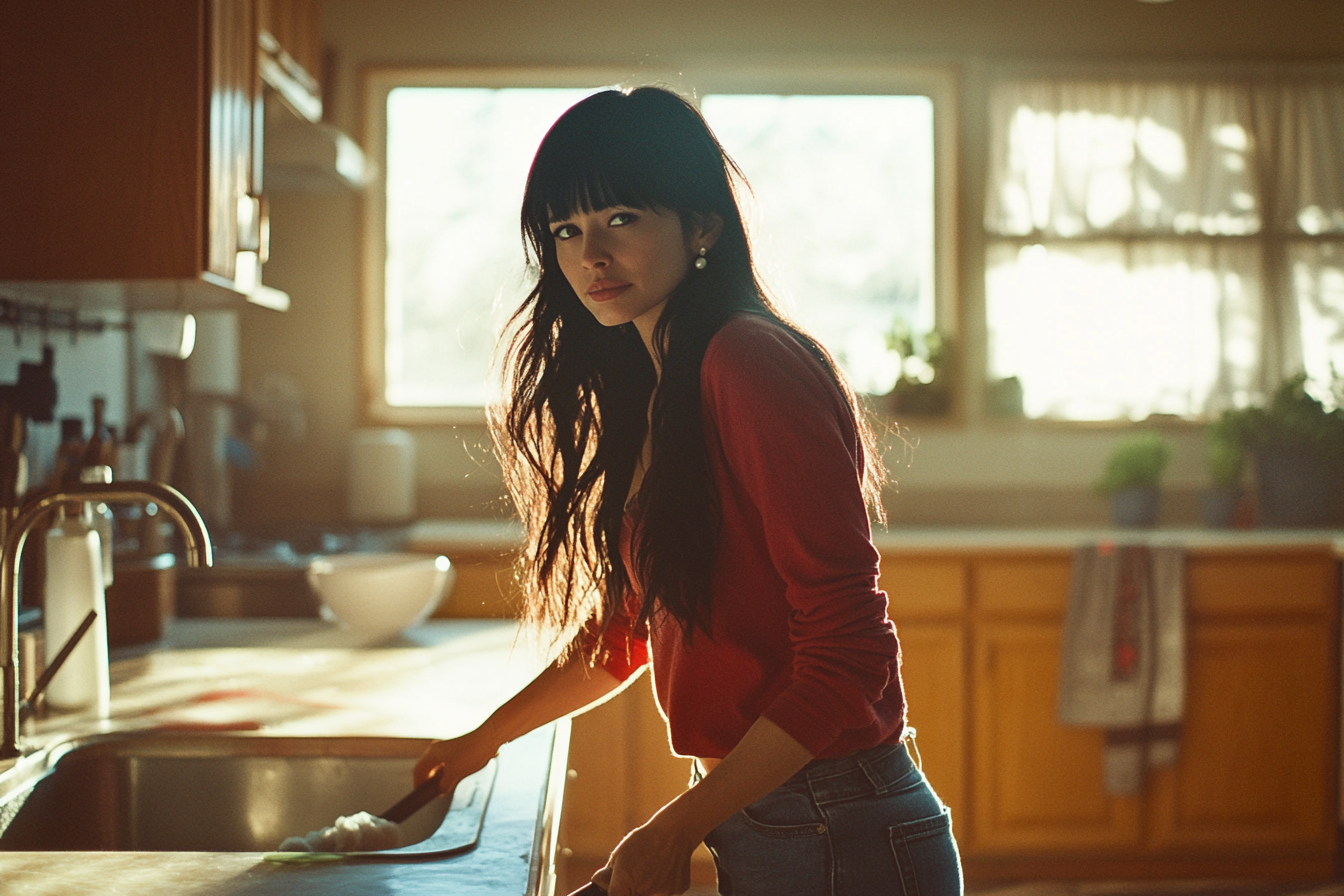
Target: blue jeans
column 867, row 824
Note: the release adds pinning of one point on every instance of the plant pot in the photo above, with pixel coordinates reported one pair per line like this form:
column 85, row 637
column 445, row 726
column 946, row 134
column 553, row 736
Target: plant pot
column 1297, row 487
column 920, row 399
column 1135, row 507
column 1218, row 506
column 1003, row 398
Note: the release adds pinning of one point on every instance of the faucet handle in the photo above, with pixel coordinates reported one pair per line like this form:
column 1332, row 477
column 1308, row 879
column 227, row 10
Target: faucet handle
column 26, row 707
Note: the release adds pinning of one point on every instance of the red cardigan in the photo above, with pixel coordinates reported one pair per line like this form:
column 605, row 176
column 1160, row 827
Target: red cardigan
column 800, row 630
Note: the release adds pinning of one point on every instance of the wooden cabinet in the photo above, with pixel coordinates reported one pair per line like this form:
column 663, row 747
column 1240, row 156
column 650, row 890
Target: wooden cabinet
column 290, row 45
column 1039, row 784
column 1257, row 772
column 1253, row 790
column 131, row 154
column 927, row 601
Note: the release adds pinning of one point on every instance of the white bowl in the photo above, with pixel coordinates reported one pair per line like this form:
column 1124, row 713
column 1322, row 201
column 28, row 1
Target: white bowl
column 380, row 593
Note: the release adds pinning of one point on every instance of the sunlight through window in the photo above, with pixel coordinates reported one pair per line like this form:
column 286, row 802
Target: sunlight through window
column 843, row 223
column 1135, row 240
column 457, row 161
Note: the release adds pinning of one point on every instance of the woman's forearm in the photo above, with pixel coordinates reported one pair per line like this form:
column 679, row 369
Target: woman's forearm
column 765, row 758
column 560, row 690
column 656, row 857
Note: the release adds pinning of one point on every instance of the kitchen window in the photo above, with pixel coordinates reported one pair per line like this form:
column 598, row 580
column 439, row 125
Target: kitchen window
column 850, row 175
column 1163, row 247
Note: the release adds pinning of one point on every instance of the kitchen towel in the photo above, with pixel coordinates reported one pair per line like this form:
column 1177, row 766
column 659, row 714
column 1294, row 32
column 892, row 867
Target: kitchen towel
column 1122, row 660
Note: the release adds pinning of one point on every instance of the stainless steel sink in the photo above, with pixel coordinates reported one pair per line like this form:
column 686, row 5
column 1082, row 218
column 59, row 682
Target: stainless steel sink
column 224, row 793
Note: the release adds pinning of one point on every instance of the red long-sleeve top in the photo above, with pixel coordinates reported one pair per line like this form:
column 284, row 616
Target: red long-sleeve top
column 800, row 633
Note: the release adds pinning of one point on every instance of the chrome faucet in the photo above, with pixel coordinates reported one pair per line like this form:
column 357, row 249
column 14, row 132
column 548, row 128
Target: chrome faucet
column 17, row 522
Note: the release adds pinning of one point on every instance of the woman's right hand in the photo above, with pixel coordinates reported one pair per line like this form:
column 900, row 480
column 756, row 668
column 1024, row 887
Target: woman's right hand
column 459, row 757
column 560, row 689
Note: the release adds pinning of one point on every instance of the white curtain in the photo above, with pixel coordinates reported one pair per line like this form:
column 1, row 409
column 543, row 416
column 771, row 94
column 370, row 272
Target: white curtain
column 1163, row 247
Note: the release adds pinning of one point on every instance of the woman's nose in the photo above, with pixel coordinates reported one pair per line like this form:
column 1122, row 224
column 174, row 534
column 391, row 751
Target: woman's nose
column 595, row 254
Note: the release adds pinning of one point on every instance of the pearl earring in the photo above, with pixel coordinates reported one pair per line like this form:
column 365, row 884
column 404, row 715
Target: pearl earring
column 702, row 262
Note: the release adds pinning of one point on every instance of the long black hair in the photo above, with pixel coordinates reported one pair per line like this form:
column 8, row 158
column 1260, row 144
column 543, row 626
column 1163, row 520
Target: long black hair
column 576, row 393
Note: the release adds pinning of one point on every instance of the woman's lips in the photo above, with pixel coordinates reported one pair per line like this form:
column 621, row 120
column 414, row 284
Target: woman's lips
column 606, row 290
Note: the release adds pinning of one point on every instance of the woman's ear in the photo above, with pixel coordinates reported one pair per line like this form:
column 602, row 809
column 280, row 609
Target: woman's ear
column 707, row 230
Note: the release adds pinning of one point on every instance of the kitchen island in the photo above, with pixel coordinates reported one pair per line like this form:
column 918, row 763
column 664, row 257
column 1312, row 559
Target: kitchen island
column 260, row 678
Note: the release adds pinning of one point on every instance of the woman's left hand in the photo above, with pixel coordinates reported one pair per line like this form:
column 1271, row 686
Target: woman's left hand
column 653, row 860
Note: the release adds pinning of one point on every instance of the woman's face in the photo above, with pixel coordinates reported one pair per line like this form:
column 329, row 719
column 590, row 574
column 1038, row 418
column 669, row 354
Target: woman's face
column 623, row 262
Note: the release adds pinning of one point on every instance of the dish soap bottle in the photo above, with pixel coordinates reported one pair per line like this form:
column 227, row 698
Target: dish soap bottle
column 74, row 567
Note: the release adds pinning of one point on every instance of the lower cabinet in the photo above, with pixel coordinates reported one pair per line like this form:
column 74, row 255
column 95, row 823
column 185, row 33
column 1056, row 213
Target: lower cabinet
column 1038, row 785
column 1254, row 789
column 1254, row 777
column 1257, row 780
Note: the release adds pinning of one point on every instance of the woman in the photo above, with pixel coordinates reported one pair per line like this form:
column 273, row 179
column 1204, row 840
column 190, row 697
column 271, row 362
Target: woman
column 695, row 478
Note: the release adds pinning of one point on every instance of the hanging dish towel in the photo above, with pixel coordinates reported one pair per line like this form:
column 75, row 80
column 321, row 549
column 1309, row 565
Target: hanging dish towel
column 1122, row 661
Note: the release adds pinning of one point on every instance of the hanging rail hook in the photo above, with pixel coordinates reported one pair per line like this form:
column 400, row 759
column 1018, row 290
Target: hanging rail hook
column 10, row 311
column 19, row 315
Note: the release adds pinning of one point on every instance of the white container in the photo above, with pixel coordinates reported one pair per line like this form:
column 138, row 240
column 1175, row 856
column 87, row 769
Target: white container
column 74, row 587
column 212, row 366
column 382, row 476
column 380, row 593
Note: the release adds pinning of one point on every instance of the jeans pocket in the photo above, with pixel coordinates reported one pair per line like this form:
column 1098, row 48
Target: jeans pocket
column 784, row 813
column 788, row 854
column 926, row 856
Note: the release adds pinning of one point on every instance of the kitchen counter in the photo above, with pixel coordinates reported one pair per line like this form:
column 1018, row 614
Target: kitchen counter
column 471, row 537
column 307, row 678
column 961, row 539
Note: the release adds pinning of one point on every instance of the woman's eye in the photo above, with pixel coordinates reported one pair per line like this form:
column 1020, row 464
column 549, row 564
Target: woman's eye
column 564, row 231
column 621, row 218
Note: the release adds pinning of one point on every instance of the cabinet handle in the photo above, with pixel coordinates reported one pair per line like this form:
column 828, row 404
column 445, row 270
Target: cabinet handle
column 263, row 231
column 249, row 224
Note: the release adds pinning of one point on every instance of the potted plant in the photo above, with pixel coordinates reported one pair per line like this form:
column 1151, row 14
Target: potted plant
column 1296, row 448
column 921, row 386
column 1226, row 460
column 1131, row 478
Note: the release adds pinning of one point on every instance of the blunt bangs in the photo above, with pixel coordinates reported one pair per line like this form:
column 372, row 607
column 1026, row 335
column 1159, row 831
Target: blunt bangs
column 643, row 149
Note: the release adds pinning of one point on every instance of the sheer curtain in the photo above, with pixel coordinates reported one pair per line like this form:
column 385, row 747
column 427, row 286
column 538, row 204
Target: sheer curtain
column 1163, row 247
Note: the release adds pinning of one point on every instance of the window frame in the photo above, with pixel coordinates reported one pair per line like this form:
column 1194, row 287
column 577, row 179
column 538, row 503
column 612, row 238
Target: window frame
column 938, row 82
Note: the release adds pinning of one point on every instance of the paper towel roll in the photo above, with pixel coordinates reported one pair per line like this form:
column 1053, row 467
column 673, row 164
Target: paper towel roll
column 382, row 476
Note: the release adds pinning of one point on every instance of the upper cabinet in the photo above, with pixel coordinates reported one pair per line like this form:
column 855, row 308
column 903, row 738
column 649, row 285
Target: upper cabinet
column 132, row 138
column 290, row 42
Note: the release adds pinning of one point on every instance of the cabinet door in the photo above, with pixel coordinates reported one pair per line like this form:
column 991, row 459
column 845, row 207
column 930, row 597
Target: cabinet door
column 102, row 110
column 1038, row 785
column 233, row 205
column 291, row 59
column 933, row 662
column 147, row 171
column 1256, row 772
column 1256, row 777
column 927, row 598
column 597, row 795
